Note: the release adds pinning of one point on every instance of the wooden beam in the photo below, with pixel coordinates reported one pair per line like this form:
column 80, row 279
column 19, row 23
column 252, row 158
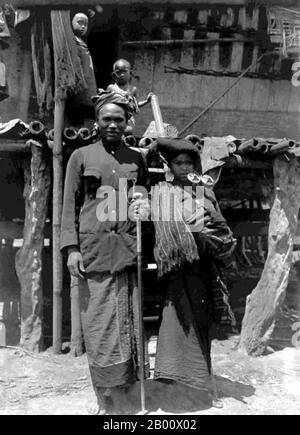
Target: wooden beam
column 14, row 146
column 88, row 3
column 244, row 162
column 172, row 42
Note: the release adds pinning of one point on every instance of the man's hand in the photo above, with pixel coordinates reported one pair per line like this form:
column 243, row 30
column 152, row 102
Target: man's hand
column 139, row 210
column 75, row 264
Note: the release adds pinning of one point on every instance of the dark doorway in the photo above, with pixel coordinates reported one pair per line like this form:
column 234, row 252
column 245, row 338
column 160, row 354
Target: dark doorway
column 103, row 46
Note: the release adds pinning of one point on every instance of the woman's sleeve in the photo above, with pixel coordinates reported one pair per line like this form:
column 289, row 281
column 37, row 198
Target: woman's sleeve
column 216, row 239
column 69, row 230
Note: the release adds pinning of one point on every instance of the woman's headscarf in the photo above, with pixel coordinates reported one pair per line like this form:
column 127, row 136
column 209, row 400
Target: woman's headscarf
column 109, row 97
column 171, row 147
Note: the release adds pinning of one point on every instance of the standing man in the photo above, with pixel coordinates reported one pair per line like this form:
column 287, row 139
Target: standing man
column 101, row 248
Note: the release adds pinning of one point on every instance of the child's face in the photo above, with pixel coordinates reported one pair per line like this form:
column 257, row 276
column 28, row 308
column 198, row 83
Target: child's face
column 122, row 73
column 80, row 24
column 181, row 166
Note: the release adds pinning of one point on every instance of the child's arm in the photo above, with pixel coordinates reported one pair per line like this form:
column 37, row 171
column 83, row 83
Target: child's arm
column 111, row 88
column 144, row 102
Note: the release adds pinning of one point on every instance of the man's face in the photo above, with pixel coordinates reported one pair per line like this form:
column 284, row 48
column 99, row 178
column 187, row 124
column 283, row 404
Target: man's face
column 80, row 25
column 112, row 123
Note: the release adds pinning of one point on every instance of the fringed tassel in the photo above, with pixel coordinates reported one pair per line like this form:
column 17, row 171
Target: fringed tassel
column 176, row 257
column 41, row 62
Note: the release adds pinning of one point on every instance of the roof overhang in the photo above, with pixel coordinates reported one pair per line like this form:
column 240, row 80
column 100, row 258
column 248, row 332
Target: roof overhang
column 69, row 3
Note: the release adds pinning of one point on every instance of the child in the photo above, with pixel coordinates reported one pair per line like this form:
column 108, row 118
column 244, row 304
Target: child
column 122, row 75
column 82, row 107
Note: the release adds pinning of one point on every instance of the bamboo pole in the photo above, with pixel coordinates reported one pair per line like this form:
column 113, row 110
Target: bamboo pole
column 56, row 222
column 25, row 85
column 159, row 124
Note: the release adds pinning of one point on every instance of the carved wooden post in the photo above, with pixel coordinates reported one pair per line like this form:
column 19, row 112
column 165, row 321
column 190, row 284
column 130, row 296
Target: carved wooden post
column 29, row 257
column 266, row 299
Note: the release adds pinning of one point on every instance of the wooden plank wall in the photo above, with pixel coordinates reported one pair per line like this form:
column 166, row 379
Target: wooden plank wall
column 183, row 90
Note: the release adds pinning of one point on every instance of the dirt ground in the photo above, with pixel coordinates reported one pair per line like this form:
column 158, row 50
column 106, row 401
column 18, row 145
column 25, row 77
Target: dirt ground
column 48, row 384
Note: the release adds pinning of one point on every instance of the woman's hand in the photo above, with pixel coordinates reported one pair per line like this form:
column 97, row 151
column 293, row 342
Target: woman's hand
column 75, row 264
column 199, row 220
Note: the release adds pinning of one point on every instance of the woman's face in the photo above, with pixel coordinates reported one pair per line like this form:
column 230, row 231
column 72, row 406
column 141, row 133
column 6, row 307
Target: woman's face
column 181, row 166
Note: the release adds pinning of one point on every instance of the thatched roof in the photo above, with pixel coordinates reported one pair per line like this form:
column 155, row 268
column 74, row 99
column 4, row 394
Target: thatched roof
column 64, row 3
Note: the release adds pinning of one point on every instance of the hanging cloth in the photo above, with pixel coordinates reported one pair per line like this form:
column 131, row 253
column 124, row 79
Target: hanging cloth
column 42, row 63
column 4, row 31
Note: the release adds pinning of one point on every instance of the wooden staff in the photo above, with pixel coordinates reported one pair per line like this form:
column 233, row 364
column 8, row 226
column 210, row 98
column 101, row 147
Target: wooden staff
column 141, row 314
column 137, row 196
column 56, row 222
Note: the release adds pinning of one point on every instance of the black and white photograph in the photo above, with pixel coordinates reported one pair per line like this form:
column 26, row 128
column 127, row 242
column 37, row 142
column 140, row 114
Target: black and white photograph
column 149, row 210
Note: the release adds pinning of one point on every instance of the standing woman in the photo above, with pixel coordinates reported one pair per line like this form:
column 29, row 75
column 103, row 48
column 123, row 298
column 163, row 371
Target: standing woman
column 192, row 239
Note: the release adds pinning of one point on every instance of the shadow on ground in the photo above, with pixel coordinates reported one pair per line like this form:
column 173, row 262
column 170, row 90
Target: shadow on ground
column 178, row 398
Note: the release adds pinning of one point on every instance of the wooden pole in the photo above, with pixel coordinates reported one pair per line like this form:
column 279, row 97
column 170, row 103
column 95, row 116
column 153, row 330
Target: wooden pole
column 56, row 222
column 267, row 298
